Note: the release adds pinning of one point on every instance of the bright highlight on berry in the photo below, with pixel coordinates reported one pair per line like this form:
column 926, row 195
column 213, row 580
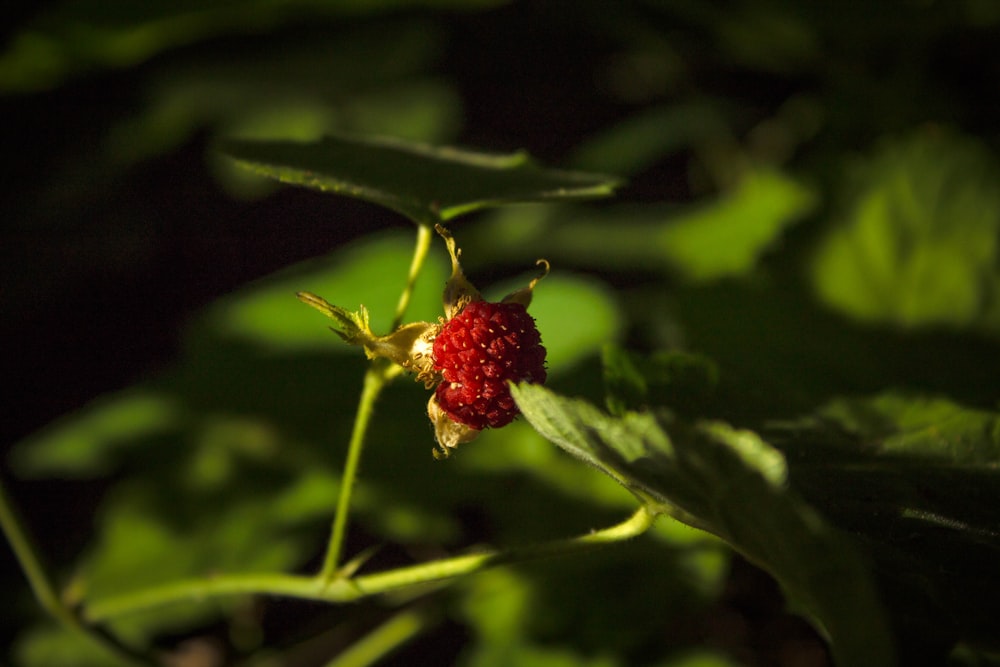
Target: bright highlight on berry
column 468, row 357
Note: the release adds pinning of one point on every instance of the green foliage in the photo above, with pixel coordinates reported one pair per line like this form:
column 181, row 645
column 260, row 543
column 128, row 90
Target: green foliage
column 724, row 237
column 924, row 471
column 918, row 242
column 423, row 183
column 79, row 35
column 794, row 304
column 727, row 237
column 732, row 484
column 674, row 378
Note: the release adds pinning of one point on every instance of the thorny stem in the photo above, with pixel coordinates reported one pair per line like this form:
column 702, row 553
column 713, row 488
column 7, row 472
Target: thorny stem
column 376, row 377
column 41, row 585
column 346, row 590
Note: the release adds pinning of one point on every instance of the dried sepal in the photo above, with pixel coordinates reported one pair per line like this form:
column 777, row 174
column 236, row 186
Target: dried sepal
column 458, row 291
column 410, row 346
column 523, row 295
column 448, row 432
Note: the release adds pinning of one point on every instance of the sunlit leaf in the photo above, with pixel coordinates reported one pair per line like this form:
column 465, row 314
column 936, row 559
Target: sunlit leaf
column 727, row 237
column 732, row 484
column 423, row 183
column 918, row 242
column 702, row 242
column 370, row 273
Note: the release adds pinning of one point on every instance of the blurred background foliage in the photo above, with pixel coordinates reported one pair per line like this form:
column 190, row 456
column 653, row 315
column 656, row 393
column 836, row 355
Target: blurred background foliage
column 810, row 225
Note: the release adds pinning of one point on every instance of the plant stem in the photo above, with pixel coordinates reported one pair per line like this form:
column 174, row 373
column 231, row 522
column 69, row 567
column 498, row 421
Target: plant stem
column 349, row 590
column 384, row 639
column 41, row 584
column 423, row 244
column 376, row 377
column 31, row 565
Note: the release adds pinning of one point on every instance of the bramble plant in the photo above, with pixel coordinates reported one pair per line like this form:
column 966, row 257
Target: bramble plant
column 468, row 359
column 482, row 358
column 735, row 404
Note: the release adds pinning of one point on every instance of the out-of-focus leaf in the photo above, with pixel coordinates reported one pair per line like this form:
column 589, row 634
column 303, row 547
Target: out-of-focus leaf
column 77, row 36
column 424, row 183
column 370, row 272
column 673, row 379
column 711, row 240
column 727, row 237
column 49, row 644
column 918, row 242
column 641, row 140
column 768, row 40
column 298, row 90
column 919, row 427
column 87, row 444
column 732, row 484
column 917, row 478
column 966, row 656
column 700, row 658
column 520, row 610
column 143, row 539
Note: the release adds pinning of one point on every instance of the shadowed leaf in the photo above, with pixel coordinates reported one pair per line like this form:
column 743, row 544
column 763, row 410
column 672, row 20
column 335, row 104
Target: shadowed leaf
column 424, row 183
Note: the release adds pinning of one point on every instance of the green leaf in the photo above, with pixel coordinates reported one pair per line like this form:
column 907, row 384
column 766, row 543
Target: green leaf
column 50, row 644
column 673, row 379
column 75, row 36
column 424, row 183
column 88, row 444
column 924, row 496
column 918, row 243
column 732, row 484
column 713, row 239
column 641, row 140
column 727, row 237
column 368, row 273
column 296, row 88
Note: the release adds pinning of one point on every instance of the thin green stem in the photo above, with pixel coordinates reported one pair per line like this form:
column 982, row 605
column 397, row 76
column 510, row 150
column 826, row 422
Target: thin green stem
column 31, row 565
column 423, row 244
column 345, row 590
column 377, row 376
column 386, row 638
column 41, row 584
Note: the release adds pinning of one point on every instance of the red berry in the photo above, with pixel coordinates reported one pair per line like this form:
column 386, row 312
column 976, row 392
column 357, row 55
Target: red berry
column 477, row 352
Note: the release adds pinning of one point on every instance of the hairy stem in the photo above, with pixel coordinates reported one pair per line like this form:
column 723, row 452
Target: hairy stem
column 346, row 590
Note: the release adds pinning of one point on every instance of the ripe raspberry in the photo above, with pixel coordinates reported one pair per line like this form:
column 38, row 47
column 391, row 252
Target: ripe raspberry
column 477, row 352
